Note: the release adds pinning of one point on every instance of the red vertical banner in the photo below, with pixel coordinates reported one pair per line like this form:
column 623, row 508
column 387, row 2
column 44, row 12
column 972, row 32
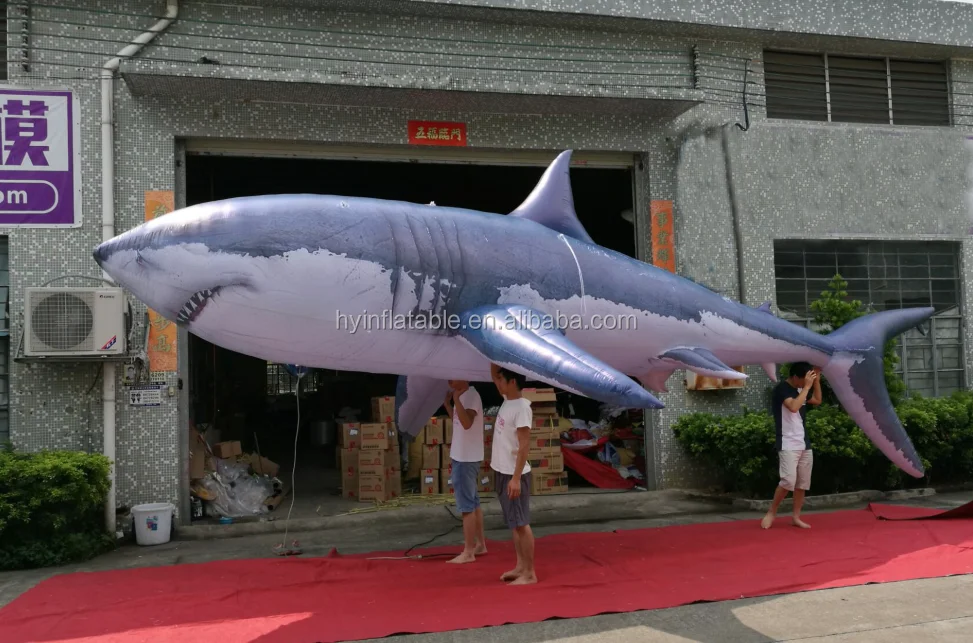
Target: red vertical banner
column 663, row 244
column 437, row 133
column 162, row 332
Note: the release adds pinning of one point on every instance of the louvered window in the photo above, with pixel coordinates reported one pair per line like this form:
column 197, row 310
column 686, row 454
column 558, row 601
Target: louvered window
column 849, row 89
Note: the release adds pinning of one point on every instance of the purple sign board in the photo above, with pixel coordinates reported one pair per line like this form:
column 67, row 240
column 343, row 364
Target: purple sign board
column 40, row 169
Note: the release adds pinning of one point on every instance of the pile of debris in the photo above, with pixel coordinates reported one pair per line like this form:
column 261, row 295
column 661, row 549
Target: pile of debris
column 228, row 483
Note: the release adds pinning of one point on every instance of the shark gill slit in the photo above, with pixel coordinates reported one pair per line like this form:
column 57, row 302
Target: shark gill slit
column 421, row 267
column 396, row 263
column 578, row 265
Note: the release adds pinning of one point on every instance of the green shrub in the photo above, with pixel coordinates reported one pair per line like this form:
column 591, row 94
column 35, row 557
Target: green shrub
column 741, row 447
column 52, row 508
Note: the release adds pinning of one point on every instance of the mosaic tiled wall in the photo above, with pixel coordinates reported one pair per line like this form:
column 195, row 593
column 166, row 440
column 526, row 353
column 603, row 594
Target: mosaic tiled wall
column 59, row 406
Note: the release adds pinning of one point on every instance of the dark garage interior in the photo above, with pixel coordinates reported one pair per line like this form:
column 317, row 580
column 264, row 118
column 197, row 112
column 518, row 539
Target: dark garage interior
column 248, row 400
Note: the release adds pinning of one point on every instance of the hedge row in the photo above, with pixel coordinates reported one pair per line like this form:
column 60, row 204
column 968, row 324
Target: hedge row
column 741, row 447
column 52, row 508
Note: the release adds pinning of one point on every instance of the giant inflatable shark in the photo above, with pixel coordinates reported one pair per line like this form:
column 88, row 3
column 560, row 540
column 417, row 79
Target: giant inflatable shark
column 436, row 293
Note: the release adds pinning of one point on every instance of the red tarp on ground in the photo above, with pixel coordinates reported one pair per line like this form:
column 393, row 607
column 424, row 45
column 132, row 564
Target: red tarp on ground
column 596, row 472
column 898, row 512
column 346, row 598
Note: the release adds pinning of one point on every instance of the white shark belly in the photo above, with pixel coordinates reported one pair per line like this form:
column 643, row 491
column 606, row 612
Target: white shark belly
column 628, row 338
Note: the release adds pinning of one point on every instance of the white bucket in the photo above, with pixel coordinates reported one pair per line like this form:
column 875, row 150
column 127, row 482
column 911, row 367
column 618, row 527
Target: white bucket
column 153, row 523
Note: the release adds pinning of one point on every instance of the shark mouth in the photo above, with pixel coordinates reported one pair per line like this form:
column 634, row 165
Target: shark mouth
column 192, row 308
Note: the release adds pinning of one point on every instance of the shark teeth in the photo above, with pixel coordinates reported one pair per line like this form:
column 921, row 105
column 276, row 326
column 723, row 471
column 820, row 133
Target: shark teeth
column 190, row 311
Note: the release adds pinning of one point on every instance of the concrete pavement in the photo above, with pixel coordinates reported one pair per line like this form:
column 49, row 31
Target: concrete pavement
column 937, row 610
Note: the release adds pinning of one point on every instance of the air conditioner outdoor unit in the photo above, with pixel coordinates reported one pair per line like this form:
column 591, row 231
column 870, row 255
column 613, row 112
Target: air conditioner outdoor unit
column 74, row 322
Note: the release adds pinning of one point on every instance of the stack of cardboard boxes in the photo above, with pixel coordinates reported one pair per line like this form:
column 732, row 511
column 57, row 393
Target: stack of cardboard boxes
column 429, row 454
column 369, row 456
column 545, row 457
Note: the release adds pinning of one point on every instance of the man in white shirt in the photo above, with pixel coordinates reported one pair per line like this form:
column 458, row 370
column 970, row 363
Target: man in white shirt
column 511, row 440
column 463, row 403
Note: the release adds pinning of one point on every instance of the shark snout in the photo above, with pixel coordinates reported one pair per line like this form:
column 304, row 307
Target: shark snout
column 101, row 253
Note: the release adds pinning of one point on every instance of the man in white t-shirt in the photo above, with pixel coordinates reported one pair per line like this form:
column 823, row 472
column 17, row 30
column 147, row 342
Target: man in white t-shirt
column 511, row 441
column 463, row 403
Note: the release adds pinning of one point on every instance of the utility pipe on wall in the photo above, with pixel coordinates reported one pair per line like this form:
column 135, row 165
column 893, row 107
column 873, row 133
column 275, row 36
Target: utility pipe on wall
column 108, row 222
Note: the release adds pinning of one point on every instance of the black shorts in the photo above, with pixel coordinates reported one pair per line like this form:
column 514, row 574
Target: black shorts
column 516, row 512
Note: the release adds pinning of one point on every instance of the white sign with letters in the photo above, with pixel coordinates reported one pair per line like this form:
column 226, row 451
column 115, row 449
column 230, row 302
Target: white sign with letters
column 145, row 395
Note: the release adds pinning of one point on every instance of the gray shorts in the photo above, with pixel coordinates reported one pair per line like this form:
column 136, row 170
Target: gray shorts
column 516, row 512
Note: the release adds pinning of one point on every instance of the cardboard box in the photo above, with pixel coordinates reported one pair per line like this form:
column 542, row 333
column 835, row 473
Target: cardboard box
column 349, row 473
column 550, row 423
column 372, row 488
column 544, row 484
column 446, row 482
column 197, row 455
column 435, row 431
column 393, row 433
column 416, row 450
column 539, row 447
column 543, row 401
column 447, row 457
column 383, row 409
column 373, row 463
column 547, row 463
column 394, row 488
column 350, row 435
column 429, row 482
column 263, row 466
column 374, row 437
column 227, row 449
column 448, row 426
column 485, row 481
column 431, row 457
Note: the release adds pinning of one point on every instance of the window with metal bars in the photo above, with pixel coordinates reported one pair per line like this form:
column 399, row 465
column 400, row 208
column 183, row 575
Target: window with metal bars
column 850, row 89
column 280, row 382
column 884, row 275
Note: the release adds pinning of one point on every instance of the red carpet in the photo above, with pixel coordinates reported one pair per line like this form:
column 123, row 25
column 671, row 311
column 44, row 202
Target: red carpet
column 898, row 512
column 346, row 598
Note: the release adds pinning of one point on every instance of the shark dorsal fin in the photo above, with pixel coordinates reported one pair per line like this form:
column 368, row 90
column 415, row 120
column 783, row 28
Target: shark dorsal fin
column 551, row 203
column 765, row 308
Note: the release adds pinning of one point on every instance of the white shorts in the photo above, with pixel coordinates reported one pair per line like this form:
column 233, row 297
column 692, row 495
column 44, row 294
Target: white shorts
column 795, row 469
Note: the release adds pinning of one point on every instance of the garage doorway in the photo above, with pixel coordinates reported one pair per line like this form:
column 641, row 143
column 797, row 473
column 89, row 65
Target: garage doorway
column 249, row 400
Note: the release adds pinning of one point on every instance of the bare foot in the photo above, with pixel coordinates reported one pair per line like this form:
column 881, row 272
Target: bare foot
column 465, row 557
column 513, row 574
column 526, row 579
column 768, row 521
column 480, row 551
column 800, row 523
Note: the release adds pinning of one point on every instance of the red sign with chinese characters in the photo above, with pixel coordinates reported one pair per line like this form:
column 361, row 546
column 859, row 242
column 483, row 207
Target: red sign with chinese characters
column 437, row 133
column 663, row 245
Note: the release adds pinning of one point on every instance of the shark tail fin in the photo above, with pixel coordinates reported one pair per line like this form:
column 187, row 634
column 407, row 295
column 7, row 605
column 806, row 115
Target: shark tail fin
column 856, row 373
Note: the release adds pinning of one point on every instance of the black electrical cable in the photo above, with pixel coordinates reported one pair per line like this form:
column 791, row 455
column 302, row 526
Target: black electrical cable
column 406, row 555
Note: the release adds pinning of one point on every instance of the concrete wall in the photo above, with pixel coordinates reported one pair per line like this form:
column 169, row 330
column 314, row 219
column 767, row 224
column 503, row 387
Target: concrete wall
column 59, row 407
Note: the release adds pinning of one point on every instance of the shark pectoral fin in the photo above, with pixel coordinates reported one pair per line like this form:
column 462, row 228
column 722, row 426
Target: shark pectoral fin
column 551, row 203
column 655, row 380
column 655, row 376
column 702, row 362
column 416, row 399
column 771, row 370
column 528, row 342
